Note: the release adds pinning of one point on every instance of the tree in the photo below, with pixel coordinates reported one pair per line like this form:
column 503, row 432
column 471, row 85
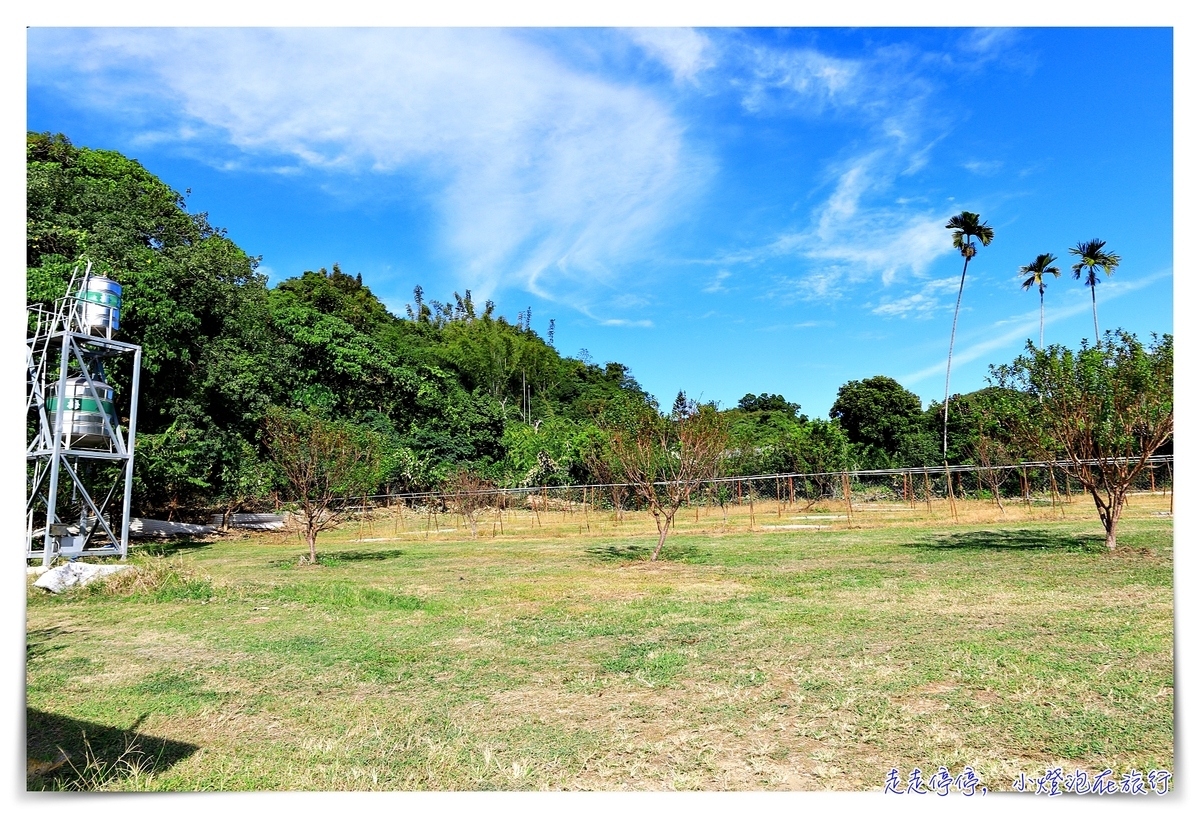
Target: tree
column 470, row 495
column 244, row 479
column 605, row 468
column 876, row 412
column 1092, row 255
column 1105, row 410
column 682, row 407
column 768, row 403
column 967, row 228
column 666, row 459
column 1036, row 271
column 321, row 462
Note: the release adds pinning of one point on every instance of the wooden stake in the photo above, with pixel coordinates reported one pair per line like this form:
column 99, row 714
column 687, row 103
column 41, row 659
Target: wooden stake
column 950, row 491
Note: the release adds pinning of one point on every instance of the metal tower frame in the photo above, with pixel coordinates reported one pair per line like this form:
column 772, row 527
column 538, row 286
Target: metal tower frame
column 86, row 523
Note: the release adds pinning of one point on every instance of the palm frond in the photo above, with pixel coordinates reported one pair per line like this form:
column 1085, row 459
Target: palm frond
column 966, row 227
column 1037, row 270
column 1092, row 255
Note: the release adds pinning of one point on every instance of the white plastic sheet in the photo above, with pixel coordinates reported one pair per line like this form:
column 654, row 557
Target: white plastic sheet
column 74, row 573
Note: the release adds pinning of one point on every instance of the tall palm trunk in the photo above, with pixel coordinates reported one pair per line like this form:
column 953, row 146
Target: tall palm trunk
column 1095, row 319
column 949, row 357
column 1041, row 318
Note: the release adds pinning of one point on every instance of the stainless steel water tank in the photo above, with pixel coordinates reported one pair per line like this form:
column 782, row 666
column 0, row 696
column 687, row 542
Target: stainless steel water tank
column 83, row 417
column 101, row 307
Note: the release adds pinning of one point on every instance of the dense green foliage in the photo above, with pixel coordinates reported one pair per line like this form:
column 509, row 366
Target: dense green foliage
column 448, row 386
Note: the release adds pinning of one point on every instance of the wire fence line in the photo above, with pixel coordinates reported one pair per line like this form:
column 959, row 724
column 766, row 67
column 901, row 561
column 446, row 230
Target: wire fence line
column 908, row 484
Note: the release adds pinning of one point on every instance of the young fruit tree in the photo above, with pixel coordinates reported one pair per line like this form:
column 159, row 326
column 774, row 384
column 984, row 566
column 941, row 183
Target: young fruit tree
column 1104, row 410
column 323, row 463
column 666, row 459
column 596, row 450
column 470, row 495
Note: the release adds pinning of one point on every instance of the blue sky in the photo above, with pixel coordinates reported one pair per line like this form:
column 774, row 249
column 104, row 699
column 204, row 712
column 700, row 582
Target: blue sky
column 725, row 211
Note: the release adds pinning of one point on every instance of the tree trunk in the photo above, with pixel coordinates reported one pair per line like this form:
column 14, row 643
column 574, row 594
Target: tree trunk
column 311, row 536
column 1095, row 318
column 1110, row 516
column 950, row 356
column 1042, row 320
column 664, row 525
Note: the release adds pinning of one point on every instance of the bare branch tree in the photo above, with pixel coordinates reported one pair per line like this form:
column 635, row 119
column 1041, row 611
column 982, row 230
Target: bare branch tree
column 666, row 459
column 322, row 462
column 602, row 462
column 469, row 495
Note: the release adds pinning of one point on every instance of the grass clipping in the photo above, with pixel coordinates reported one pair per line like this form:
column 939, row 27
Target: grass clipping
column 158, row 578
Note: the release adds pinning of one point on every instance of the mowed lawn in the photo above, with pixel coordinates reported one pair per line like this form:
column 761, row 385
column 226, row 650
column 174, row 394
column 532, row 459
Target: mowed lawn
column 560, row 658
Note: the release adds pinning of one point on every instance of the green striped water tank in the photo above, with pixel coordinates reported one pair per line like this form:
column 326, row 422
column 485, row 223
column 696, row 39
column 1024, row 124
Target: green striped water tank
column 100, row 306
column 83, row 415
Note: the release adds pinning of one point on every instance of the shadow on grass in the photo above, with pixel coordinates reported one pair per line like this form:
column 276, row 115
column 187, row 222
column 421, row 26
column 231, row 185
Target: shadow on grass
column 1016, row 540
column 37, row 643
column 332, row 559
column 620, row 552
column 169, row 548
column 634, row 552
column 68, row 754
column 338, row 557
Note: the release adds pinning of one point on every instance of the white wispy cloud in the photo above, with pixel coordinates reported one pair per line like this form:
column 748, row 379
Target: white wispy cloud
column 865, row 234
column 684, row 51
column 717, row 284
column 805, row 76
column 984, row 167
column 1018, row 328
column 626, row 322
column 543, row 177
column 931, row 298
column 861, row 231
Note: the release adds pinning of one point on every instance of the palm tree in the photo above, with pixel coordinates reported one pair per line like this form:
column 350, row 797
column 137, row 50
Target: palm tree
column 1092, row 255
column 1037, row 270
column 966, row 227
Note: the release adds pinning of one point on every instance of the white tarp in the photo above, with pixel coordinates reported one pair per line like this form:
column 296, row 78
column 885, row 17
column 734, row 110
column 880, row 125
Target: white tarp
column 74, row 573
column 140, row 528
column 253, row 522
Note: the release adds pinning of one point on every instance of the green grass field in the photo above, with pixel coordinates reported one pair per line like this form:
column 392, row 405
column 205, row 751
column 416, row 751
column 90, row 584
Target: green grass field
column 554, row 656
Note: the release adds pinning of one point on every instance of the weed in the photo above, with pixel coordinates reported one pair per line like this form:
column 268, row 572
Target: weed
column 131, row 769
column 347, row 595
column 157, row 578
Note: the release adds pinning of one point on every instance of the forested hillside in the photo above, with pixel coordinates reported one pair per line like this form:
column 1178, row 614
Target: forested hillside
column 448, row 386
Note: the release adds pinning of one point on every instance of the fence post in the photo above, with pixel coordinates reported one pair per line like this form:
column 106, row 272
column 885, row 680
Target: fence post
column 849, row 504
